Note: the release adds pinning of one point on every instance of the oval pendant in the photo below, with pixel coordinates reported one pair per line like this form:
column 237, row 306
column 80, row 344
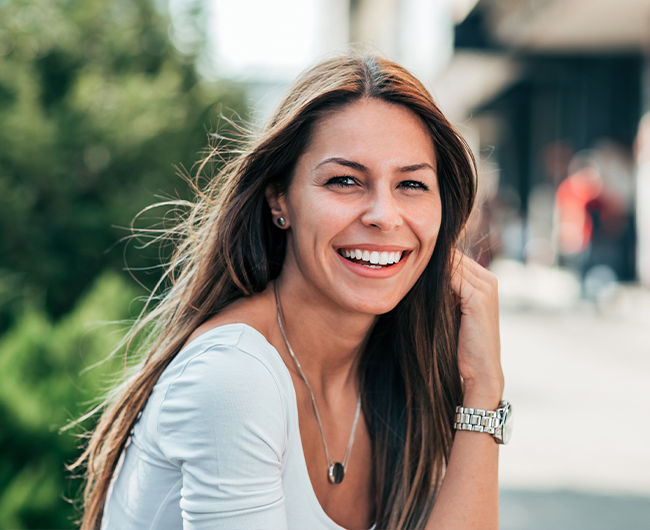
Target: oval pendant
column 336, row 473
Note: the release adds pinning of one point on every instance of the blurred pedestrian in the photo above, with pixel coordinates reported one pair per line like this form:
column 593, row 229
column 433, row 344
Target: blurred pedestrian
column 594, row 220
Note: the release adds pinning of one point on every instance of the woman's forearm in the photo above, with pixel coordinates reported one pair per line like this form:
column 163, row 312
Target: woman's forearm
column 469, row 494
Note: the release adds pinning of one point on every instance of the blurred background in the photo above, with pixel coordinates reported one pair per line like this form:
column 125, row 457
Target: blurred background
column 103, row 104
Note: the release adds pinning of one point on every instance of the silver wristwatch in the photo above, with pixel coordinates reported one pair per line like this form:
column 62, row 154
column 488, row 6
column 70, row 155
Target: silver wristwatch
column 498, row 422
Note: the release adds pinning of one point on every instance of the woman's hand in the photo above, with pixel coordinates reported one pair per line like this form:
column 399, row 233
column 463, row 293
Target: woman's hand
column 469, row 495
column 479, row 346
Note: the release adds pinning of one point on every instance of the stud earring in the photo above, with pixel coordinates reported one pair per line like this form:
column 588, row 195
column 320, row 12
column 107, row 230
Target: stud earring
column 281, row 222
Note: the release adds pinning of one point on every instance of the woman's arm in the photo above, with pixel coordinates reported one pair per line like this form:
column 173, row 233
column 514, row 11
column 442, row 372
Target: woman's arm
column 469, row 494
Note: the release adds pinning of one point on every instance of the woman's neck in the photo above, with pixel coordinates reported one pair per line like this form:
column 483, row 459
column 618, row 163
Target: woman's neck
column 326, row 339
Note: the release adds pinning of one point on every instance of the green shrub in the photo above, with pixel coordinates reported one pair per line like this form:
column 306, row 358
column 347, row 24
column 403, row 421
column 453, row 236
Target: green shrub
column 44, row 383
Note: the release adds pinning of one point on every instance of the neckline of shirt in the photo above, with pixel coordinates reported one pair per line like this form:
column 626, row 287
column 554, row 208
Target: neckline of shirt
column 311, row 494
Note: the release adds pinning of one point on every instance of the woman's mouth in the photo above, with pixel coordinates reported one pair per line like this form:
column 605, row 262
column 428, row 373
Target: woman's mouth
column 372, row 259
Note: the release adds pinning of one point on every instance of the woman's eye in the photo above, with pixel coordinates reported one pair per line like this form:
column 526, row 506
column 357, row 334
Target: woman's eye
column 343, row 182
column 414, row 185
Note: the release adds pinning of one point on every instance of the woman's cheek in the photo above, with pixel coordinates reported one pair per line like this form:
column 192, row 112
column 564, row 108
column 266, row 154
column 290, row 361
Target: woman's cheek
column 332, row 212
column 427, row 226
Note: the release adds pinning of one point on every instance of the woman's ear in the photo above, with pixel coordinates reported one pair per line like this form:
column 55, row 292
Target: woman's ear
column 278, row 208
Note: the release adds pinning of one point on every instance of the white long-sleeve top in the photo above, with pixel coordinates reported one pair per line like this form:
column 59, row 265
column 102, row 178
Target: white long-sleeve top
column 218, row 445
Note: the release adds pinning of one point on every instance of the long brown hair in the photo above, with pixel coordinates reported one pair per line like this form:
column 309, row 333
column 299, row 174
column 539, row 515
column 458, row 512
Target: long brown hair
column 229, row 248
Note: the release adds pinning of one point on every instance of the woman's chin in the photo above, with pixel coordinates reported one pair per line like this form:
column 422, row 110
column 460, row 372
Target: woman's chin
column 372, row 307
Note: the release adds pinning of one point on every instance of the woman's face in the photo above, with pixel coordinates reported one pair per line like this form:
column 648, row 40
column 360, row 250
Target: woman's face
column 363, row 209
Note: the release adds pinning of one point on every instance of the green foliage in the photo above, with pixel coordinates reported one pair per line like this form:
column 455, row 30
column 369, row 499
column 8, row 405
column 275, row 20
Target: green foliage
column 43, row 386
column 96, row 110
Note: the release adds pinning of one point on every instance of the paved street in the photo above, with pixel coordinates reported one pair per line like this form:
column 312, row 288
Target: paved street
column 566, row 509
column 579, row 379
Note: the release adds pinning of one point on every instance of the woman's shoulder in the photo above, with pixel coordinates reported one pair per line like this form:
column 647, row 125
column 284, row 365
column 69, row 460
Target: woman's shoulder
column 225, row 355
column 234, row 342
column 226, row 372
column 228, row 380
column 256, row 311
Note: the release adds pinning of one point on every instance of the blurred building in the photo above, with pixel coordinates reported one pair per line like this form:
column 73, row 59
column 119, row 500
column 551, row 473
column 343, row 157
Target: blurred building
column 553, row 92
column 266, row 44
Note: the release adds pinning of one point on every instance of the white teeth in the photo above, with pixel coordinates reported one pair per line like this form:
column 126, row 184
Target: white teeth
column 375, row 257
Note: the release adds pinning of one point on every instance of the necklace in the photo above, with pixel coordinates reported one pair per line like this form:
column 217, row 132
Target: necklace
column 335, row 470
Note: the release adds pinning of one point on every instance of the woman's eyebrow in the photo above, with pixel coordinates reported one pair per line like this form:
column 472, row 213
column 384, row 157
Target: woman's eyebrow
column 416, row 167
column 360, row 167
column 343, row 162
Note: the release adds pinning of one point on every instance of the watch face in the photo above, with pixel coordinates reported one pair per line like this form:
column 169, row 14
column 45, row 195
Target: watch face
column 506, row 429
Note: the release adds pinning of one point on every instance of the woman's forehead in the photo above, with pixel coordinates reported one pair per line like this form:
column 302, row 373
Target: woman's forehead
column 372, row 129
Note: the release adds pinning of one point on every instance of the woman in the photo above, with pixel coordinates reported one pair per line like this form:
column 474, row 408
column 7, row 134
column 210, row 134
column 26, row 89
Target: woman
column 308, row 356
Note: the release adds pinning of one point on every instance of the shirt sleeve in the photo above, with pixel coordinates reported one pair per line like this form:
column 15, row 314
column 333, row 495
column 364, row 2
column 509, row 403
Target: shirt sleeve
column 222, row 421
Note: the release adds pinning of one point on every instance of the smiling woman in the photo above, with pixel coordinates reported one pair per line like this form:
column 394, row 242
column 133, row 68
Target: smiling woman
column 319, row 333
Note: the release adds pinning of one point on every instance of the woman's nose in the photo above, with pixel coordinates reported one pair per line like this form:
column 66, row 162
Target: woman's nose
column 382, row 211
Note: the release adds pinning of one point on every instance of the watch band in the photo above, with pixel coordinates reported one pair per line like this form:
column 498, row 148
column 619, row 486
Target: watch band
column 477, row 420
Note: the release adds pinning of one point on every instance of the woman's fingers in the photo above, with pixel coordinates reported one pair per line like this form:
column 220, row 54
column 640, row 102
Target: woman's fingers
column 479, row 344
column 469, row 279
column 467, row 268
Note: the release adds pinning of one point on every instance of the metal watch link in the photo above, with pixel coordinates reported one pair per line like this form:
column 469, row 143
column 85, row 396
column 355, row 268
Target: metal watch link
column 498, row 422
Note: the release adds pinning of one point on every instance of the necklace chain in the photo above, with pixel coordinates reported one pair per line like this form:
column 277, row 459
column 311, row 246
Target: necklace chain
column 330, row 463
